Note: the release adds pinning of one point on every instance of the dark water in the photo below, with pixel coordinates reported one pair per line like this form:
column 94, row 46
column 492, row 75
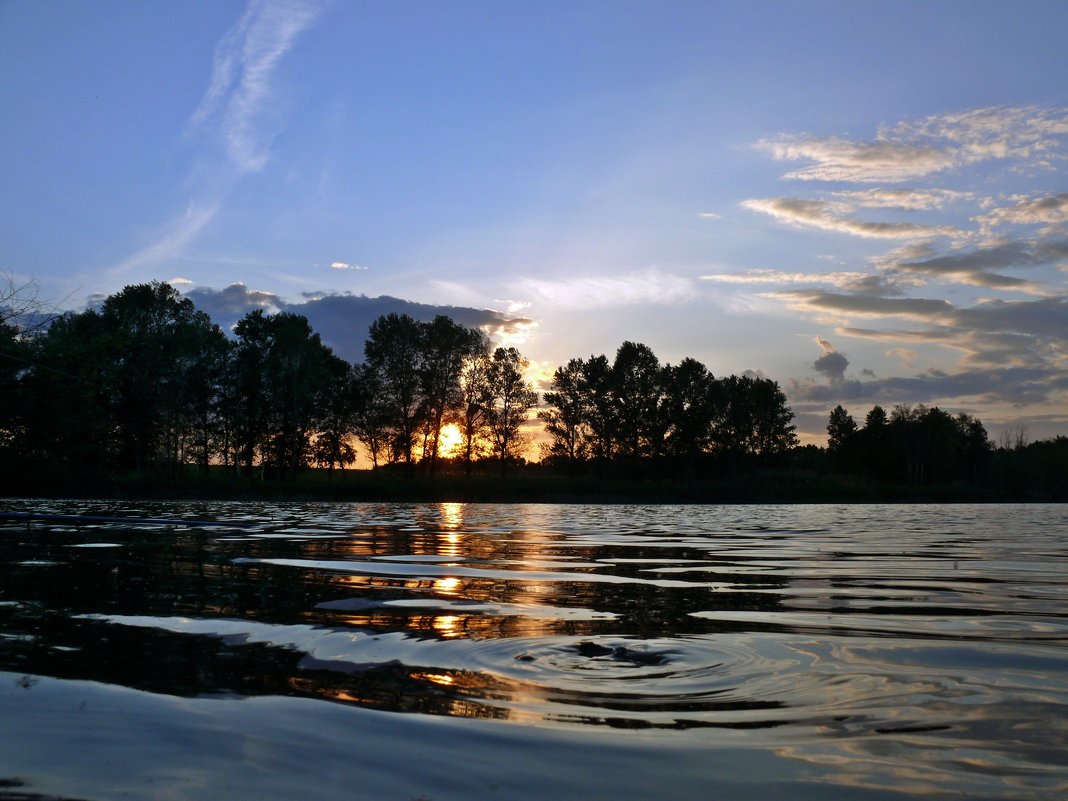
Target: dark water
column 779, row 651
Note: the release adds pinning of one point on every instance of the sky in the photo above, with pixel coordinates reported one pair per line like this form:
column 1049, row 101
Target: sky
column 866, row 202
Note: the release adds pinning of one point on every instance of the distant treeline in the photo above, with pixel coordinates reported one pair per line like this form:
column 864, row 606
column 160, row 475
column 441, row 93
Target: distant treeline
column 147, row 384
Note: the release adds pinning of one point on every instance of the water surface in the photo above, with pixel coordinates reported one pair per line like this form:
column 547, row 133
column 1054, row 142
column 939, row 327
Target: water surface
column 838, row 651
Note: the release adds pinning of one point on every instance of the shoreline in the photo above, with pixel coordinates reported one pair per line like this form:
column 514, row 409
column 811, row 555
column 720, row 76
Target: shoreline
column 760, row 487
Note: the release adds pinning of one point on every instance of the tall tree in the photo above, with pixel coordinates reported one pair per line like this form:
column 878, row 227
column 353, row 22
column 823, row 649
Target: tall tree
column 335, row 423
column 394, row 350
column 566, row 419
column 471, row 416
column 445, row 346
column 597, row 386
column 693, row 408
column 637, row 382
column 370, row 415
column 509, row 398
column 155, row 337
column 841, row 434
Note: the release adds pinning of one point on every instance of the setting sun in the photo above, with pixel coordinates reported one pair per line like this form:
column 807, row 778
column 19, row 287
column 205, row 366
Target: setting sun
column 450, row 441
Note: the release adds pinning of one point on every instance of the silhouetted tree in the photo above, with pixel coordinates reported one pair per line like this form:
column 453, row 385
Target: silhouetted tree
column 596, row 385
column 335, row 423
column 566, row 419
column 508, row 399
column 445, row 347
column 693, row 409
column 637, row 387
column 370, row 415
column 154, row 336
column 471, row 414
column 756, row 424
column 393, row 350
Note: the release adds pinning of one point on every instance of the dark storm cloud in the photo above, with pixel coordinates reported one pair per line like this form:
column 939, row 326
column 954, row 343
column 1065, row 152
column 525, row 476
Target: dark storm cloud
column 342, row 320
column 1015, row 385
column 831, row 364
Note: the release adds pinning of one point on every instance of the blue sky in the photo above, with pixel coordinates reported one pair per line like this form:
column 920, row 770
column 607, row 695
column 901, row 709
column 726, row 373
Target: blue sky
column 866, row 202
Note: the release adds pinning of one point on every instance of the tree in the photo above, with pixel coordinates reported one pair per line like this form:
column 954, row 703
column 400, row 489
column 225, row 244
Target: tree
column 841, row 433
column 471, row 416
column 445, row 346
column 566, row 419
column 393, row 350
column 637, row 395
column 370, row 417
column 508, row 399
column 154, row 337
column 756, row 423
column 283, row 375
column 596, row 385
column 693, row 408
column 335, row 424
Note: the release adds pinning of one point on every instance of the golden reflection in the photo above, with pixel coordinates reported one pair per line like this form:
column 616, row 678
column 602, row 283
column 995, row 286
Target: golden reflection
column 452, row 515
column 448, row 625
column 437, row 678
column 448, row 586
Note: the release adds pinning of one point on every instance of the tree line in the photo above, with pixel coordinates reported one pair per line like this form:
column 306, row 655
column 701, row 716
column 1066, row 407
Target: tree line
column 912, row 445
column 147, row 381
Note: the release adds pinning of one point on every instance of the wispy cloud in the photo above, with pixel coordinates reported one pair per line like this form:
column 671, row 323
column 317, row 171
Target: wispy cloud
column 902, row 199
column 846, row 281
column 237, row 109
column 1048, row 210
column 834, row 159
column 911, row 150
column 171, row 240
column 237, row 104
column 828, row 217
column 592, row 292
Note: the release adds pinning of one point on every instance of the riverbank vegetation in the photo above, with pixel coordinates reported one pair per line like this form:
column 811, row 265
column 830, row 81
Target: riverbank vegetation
column 146, row 395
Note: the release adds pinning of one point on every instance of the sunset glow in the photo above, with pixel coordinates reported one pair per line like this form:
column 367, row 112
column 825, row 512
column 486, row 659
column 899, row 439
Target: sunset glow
column 450, row 441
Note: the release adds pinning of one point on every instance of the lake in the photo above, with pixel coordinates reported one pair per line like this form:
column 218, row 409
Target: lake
column 467, row 651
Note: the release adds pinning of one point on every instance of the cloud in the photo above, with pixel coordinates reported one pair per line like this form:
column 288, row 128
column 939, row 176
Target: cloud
column 234, row 108
column 1024, row 133
column 342, row 320
column 903, row 199
column 835, row 159
column 831, row 364
column 865, row 305
column 594, row 292
column 341, row 265
column 826, row 216
column 172, row 239
column 239, row 98
column 864, row 283
column 227, row 306
column 975, row 266
column 1007, row 350
column 1019, row 386
column 1050, row 210
column 709, row 215
column 906, row 355
column 911, row 150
